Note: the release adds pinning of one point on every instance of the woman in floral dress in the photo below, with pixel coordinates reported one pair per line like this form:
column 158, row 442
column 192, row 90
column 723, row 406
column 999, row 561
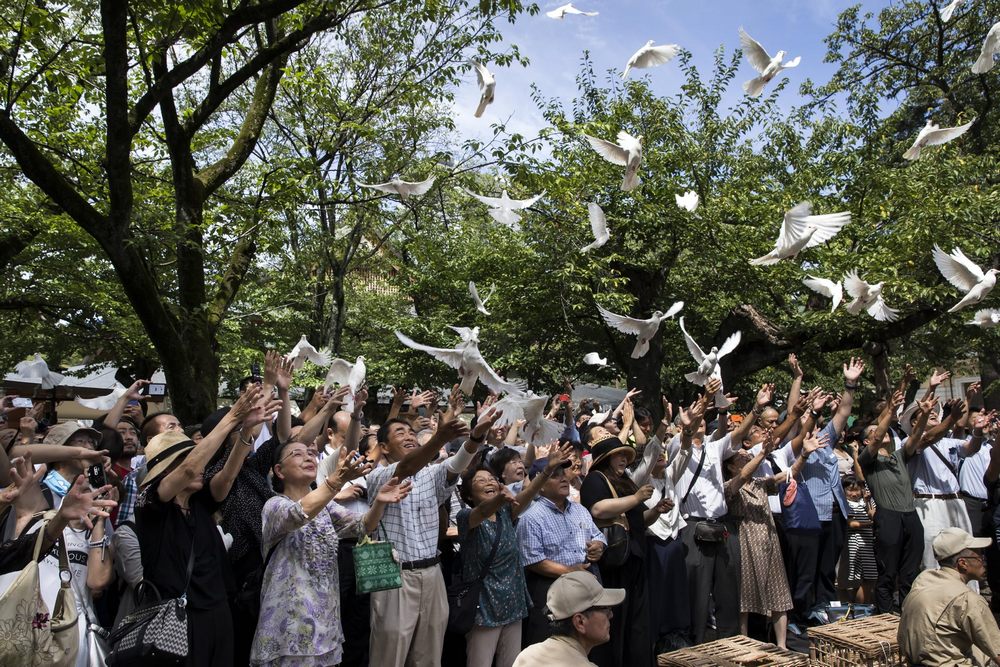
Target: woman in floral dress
column 300, row 595
column 763, row 582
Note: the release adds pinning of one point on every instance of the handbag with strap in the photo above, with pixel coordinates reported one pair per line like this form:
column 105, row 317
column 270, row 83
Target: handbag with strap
column 464, row 596
column 33, row 637
column 376, row 567
column 155, row 634
column 615, row 532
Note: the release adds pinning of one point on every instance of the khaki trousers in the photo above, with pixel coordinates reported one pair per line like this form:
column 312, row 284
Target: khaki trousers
column 408, row 623
column 483, row 644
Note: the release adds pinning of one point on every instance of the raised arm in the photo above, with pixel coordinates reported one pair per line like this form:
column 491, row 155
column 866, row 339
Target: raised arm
column 797, row 374
column 956, row 408
column 852, row 375
column 530, row 491
column 280, row 370
column 349, row 470
column 391, row 493
column 416, row 459
column 317, row 423
column 118, row 409
column 222, row 483
column 746, row 472
column 764, row 396
column 810, row 443
column 612, row 507
column 196, row 460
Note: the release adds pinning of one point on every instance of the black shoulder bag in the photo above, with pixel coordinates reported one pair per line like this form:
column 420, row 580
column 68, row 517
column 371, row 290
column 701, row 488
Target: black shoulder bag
column 156, row 634
column 464, row 596
column 615, row 531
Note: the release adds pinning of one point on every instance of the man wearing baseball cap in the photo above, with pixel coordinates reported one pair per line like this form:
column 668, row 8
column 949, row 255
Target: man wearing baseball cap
column 945, row 623
column 579, row 609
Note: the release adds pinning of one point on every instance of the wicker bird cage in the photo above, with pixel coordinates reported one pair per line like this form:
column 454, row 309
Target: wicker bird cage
column 863, row 642
column 733, row 652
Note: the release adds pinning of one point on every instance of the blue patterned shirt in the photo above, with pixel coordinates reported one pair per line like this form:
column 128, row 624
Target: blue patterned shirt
column 822, row 476
column 547, row 533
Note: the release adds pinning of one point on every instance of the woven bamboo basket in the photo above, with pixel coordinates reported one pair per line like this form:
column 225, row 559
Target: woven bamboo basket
column 862, row 642
column 733, row 652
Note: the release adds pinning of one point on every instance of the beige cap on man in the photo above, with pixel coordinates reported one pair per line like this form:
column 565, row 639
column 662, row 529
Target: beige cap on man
column 951, row 541
column 575, row 592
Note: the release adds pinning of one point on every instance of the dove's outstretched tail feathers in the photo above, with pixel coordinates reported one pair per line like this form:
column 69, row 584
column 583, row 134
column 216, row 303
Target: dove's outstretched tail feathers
column 855, row 307
column 913, row 153
column 468, row 383
column 631, row 181
column 754, row 87
column 984, row 63
column 697, row 378
column 483, row 103
column 641, row 348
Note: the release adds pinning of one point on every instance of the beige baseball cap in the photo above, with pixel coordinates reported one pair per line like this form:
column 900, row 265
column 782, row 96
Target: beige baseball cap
column 951, row 541
column 579, row 591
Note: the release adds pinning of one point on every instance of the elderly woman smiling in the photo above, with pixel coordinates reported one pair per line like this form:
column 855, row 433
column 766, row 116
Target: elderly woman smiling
column 300, row 597
column 490, row 515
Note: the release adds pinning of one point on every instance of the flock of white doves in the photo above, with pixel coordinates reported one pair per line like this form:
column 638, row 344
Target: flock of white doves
column 800, row 230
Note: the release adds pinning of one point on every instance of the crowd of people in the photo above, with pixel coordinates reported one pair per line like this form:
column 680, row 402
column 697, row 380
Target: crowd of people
column 624, row 538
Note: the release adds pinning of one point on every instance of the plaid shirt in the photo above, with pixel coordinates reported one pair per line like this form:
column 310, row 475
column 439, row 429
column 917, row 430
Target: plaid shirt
column 126, row 504
column 547, row 533
column 412, row 525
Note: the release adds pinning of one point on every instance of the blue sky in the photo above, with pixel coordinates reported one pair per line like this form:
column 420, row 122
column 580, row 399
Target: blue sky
column 555, row 48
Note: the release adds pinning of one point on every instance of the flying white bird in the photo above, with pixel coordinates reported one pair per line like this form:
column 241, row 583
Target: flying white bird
column 537, row 430
column 868, row 297
column 767, row 66
column 467, row 334
column 831, row 289
column 487, row 86
column 37, row 369
column 561, row 12
column 502, row 208
column 626, row 153
column 480, row 303
column 800, row 230
column 986, row 318
column 643, row 329
column 470, row 364
column 933, row 135
column 991, row 47
column 304, row 351
column 651, row 56
column 948, row 10
column 599, row 227
column 402, row 188
column 343, row 372
column 966, row 275
column 708, row 364
column 103, row 403
column 594, row 359
column 688, row 201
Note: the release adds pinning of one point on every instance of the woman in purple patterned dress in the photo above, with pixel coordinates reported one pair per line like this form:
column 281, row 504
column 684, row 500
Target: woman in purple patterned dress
column 300, row 596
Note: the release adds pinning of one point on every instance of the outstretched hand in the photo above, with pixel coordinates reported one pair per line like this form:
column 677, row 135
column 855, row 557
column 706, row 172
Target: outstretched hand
column 394, row 491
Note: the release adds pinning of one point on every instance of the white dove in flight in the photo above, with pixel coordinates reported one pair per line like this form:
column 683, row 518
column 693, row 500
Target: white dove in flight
column 304, row 351
column 467, row 334
column 343, row 372
column 767, row 66
column 560, row 13
column 644, row 330
column 487, row 87
column 36, row 369
column 599, row 227
column 966, row 275
column 103, row 403
column 651, row 56
column 470, row 364
column 868, row 297
column 537, row 430
column 594, row 359
column 626, row 153
column 986, row 318
column 688, row 201
column 480, row 303
column 987, row 55
column 800, row 230
column 933, row 135
column 503, row 208
column 949, row 9
column 832, row 289
column 402, row 188
column 708, row 364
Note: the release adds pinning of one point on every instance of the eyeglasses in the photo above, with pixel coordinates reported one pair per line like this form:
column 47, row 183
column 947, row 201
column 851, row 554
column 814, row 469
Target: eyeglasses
column 302, row 454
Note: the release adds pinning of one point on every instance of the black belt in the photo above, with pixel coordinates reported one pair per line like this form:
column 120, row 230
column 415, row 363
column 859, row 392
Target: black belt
column 936, row 496
column 971, row 497
column 420, row 564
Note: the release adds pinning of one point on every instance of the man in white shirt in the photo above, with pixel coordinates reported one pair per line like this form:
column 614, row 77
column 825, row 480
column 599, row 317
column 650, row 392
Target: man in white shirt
column 713, row 550
column 580, row 611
